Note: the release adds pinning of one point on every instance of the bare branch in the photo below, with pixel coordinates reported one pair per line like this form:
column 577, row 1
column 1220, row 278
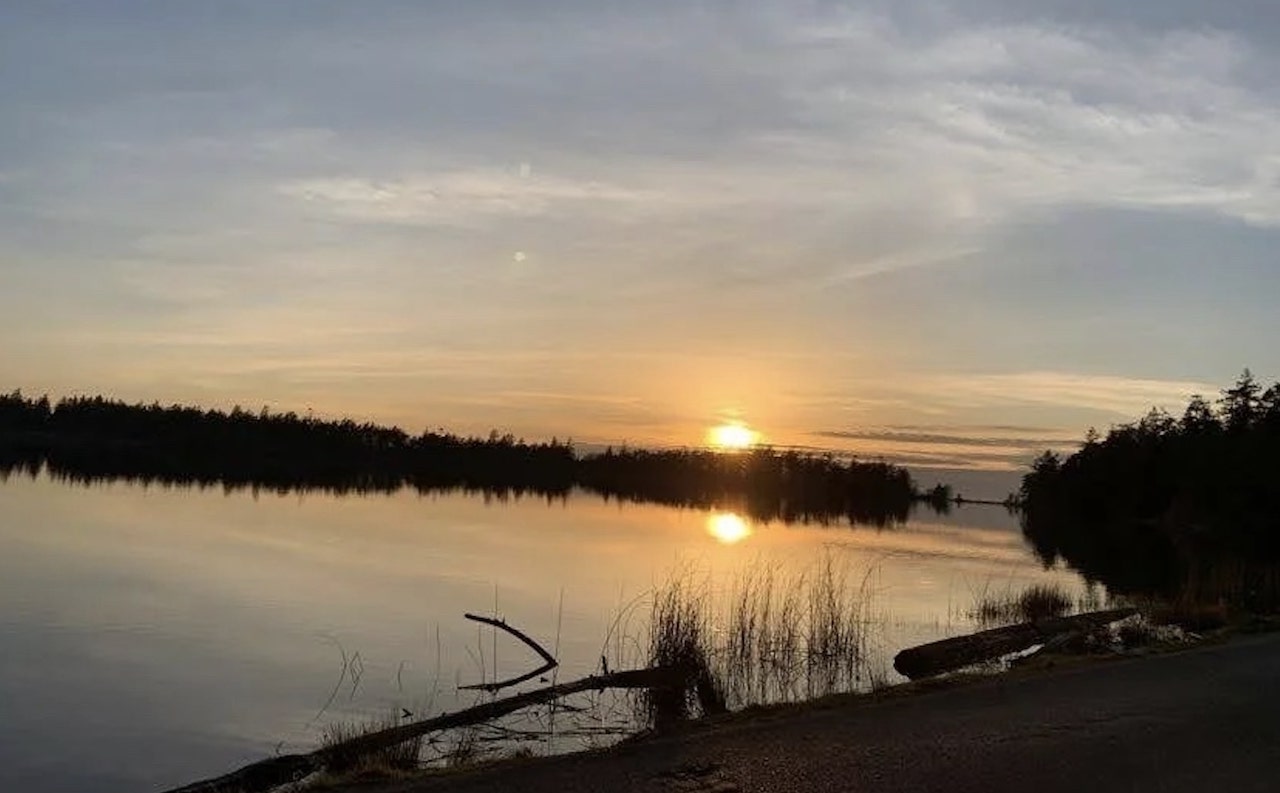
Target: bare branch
column 549, row 661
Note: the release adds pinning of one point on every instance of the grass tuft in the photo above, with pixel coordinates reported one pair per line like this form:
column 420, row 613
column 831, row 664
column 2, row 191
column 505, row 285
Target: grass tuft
column 1036, row 602
column 392, row 759
column 772, row 638
column 679, row 637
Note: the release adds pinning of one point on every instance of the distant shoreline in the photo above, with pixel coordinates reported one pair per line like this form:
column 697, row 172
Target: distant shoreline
column 88, row 439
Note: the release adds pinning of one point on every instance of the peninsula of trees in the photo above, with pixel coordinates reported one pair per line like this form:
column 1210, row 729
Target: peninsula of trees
column 87, row 439
column 1170, row 502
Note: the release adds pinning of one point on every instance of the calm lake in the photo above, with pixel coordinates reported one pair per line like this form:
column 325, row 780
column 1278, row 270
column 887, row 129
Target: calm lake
column 150, row 637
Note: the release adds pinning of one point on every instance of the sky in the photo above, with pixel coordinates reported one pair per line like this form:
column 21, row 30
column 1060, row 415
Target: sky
column 951, row 233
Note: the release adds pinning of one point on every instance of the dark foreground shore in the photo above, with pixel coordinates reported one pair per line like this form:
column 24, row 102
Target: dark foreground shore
column 1200, row 720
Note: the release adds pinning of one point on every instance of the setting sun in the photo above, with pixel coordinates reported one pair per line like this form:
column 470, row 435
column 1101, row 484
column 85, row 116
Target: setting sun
column 728, row 528
column 732, row 436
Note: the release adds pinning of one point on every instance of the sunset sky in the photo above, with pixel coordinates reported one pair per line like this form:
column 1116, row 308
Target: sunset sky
column 949, row 232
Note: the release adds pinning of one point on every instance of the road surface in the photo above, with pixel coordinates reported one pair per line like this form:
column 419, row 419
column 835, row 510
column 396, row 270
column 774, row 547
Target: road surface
column 1202, row 721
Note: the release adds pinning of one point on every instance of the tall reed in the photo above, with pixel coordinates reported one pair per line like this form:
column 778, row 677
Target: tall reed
column 1036, row 602
column 771, row 637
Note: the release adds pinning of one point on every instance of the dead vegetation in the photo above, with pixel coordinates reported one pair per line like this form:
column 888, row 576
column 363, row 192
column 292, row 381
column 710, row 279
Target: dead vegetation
column 1036, row 602
column 773, row 637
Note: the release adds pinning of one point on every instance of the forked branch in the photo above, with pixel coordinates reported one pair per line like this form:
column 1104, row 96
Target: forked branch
column 549, row 661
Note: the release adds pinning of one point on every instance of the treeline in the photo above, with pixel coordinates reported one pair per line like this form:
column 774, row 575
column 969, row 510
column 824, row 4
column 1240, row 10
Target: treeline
column 93, row 438
column 90, row 439
column 763, row 483
column 1167, row 501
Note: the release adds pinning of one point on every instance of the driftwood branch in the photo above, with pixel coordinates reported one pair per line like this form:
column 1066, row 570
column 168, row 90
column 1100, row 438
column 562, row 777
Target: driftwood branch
column 658, row 677
column 276, row 771
column 948, row 655
column 549, row 662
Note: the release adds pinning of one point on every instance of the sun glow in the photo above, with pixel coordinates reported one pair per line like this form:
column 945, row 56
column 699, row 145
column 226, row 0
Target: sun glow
column 728, row 528
column 734, row 435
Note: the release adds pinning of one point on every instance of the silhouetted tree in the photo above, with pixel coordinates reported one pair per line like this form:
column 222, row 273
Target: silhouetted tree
column 1240, row 403
column 1199, row 417
column 1156, row 503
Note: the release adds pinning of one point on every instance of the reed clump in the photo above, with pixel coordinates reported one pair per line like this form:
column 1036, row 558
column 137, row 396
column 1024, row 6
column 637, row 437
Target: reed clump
column 1036, row 602
column 772, row 637
column 680, row 639
column 399, row 758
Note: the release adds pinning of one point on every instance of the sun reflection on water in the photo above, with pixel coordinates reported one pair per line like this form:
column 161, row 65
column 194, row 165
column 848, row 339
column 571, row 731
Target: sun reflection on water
column 728, row 528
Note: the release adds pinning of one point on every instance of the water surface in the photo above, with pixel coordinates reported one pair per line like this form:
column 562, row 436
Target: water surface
column 153, row 636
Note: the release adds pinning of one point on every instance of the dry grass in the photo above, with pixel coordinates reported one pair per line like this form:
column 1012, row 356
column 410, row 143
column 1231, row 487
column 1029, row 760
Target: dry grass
column 1036, row 602
column 680, row 637
column 392, row 759
column 772, row 638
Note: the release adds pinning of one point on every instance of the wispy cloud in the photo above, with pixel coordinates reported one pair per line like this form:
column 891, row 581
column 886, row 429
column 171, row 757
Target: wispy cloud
column 1126, row 397
column 956, row 398
column 963, row 446
column 940, row 439
column 886, row 148
column 1011, row 118
column 465, row 198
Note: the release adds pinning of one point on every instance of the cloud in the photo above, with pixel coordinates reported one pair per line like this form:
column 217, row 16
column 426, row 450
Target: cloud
column 1256, row 19
column 881, row 144
column 1128, row 397
column 959, row 397
column 959, row 446
column 995, row 429
column 1006, row 118
column 870, row 140
column 463, row 198
column 977, row 457
column 940, row 439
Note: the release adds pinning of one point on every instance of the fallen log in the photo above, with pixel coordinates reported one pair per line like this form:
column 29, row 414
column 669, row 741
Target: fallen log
column 276, row 771
column 948, row 655
column 657, row 677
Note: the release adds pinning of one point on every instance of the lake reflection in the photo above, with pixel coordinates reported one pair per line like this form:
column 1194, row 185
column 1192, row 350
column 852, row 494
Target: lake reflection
column 153, row 636
column 727, row 527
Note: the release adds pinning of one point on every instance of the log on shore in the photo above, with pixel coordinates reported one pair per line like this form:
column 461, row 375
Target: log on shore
column 276, row 771
column 948, row 655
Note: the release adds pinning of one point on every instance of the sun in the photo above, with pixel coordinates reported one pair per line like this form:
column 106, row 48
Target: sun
column 733, row 435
